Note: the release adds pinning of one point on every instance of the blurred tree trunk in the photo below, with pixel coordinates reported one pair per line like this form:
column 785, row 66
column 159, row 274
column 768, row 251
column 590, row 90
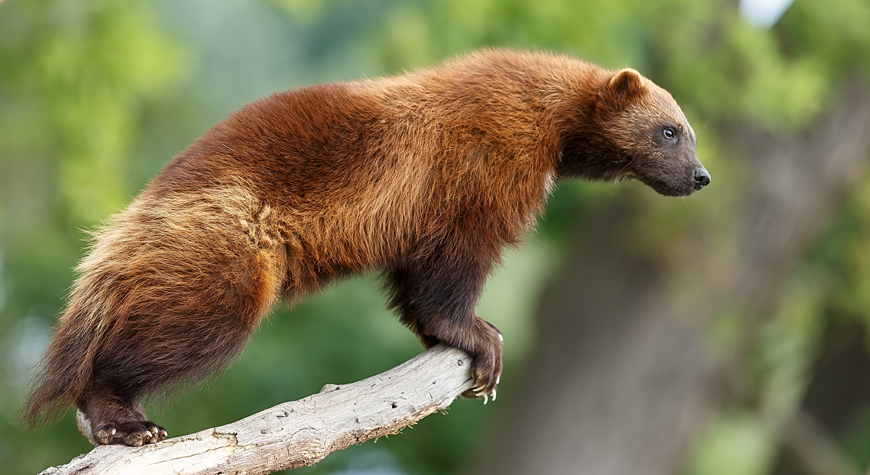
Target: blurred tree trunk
column 838, row 396
column 624, row 375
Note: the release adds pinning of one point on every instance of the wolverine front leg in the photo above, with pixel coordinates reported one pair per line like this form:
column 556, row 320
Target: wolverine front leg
column 436, row 297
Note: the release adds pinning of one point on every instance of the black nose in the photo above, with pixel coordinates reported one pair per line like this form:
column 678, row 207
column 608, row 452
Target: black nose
column 702, row 178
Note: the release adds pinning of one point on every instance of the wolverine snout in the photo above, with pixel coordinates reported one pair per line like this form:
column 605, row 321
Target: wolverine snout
column 702, row 178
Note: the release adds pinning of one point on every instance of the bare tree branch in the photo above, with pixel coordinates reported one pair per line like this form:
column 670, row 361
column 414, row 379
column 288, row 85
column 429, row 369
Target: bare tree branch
column 298, row 433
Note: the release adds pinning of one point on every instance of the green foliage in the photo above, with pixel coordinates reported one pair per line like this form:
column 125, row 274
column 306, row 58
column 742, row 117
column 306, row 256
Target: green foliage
column 87, row 71
column 834, row 33
column 736, row 444
column 73, row 80
column 307, row 9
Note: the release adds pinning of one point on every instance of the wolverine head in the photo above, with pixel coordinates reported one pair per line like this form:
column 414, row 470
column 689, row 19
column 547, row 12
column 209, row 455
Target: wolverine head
column 651, row 135
column 636, row 130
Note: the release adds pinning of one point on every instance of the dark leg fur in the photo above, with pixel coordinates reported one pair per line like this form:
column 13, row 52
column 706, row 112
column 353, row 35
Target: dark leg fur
column 122, row 376
column 436, row 295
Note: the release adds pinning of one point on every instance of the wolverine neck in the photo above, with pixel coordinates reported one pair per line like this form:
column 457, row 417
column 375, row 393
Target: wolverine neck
column 585, row 153
column 584, row 150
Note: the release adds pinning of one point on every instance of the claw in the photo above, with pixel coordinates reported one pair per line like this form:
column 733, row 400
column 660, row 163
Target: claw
column 501, row 338
column 485, row 399
column 494, row 395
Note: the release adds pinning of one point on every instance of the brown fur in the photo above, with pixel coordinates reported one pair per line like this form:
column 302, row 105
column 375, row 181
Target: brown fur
column 426, row 175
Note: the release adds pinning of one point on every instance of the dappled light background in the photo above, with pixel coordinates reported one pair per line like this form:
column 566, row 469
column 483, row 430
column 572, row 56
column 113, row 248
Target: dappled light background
column 764, row 276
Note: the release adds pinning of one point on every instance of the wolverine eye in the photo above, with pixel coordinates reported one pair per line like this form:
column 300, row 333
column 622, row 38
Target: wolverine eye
column 669, row 133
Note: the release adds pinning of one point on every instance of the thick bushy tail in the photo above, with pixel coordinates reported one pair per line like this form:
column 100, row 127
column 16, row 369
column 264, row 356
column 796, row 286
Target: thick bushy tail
column 65, row 372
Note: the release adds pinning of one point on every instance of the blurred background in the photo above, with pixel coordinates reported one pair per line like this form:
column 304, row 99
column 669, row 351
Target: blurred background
column 726, row 333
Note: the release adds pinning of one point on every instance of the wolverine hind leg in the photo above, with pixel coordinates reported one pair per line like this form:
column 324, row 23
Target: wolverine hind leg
column 138, row 364
column 177, row 320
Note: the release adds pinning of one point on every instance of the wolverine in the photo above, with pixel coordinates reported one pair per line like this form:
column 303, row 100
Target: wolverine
column 425, row 177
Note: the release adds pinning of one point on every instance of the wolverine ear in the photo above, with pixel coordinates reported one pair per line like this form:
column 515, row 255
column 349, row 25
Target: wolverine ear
column 625, row 85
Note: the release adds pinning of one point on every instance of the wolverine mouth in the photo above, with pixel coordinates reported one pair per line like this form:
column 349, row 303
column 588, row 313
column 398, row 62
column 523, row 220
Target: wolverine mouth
column 670, row 184
column 668, row 188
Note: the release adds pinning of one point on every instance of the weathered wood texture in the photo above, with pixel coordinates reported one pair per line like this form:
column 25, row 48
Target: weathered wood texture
column 297, row 433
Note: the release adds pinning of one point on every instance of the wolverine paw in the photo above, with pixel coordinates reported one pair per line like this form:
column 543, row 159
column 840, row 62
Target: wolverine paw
column 486, row 364
column 133, row 434
column 486, row 372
